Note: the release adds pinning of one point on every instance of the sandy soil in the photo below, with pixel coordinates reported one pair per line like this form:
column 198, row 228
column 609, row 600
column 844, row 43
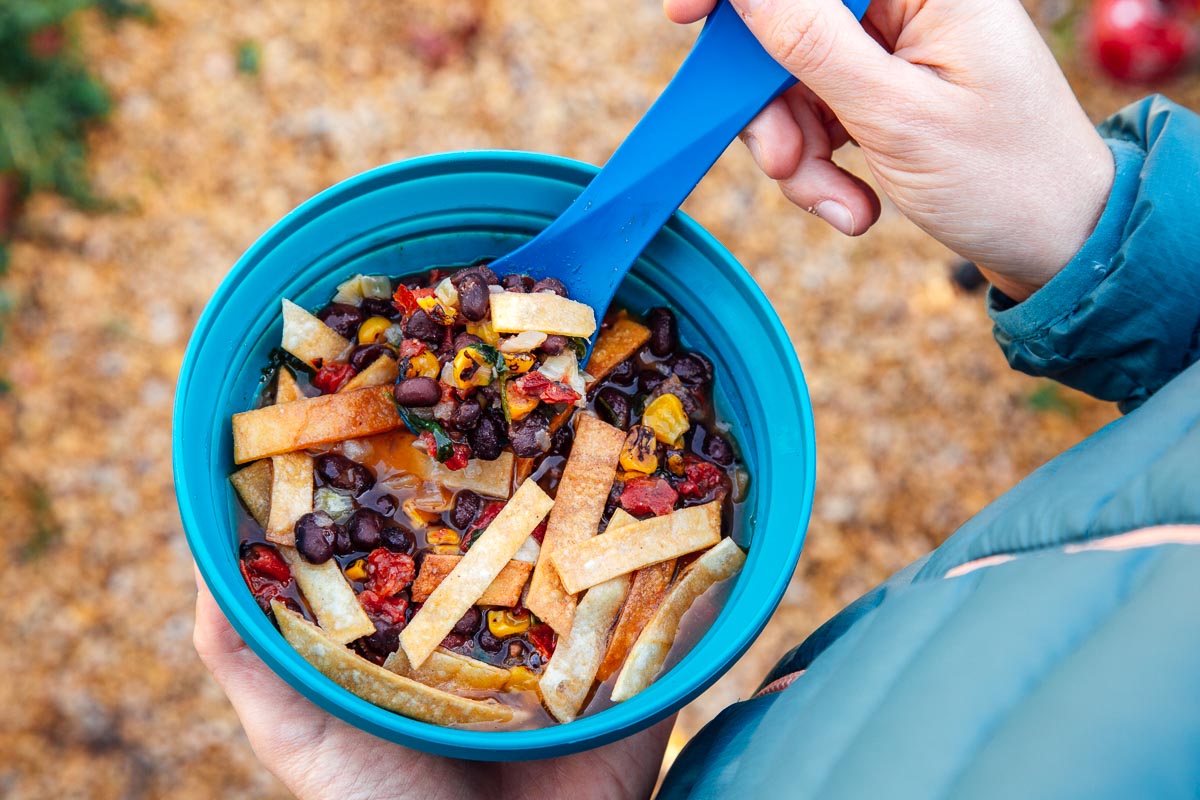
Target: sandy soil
column 920, row 423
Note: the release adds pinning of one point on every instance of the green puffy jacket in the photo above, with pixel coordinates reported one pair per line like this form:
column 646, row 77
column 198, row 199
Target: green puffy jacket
column 1065, row 671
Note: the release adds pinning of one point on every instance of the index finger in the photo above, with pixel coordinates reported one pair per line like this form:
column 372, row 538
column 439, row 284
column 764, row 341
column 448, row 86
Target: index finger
column 687, row 11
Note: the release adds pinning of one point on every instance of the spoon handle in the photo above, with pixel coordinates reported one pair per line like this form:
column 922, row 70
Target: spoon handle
column 725, row 81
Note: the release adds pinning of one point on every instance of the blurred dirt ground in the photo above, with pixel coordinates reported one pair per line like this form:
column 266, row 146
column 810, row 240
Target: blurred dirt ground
column 919, row 421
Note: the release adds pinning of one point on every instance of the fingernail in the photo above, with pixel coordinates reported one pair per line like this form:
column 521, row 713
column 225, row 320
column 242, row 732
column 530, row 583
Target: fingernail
column 836, row 215
column 753, row 147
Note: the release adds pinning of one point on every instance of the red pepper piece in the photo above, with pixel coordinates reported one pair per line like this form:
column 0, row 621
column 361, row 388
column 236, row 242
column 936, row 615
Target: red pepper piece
column 390, row 572
column 391, row 609
column 411, row 348
column 459, row 460
column 428, row 444
column 535, row 384
column 264, row 560
column 404, row 300
column 701, row 478
column 330, row 377
column 542, row 637
column 486, row 517
column 648, row 495
column 539, row 533
column 558, row 393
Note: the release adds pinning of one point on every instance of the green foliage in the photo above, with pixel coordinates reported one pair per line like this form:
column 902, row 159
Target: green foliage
column 48, row 97
column 249, row 57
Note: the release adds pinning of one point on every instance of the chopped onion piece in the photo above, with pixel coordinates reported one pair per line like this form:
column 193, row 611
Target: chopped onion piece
column 523, row 342
column 446, row 292
column 335, row 504
column 375, row 286
column 529, row 551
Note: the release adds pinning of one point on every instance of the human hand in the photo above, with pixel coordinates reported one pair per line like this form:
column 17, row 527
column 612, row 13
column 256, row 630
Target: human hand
column 318, row 756
column 964, row 118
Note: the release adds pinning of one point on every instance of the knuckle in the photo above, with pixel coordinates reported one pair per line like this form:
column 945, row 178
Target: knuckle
column 803, row 42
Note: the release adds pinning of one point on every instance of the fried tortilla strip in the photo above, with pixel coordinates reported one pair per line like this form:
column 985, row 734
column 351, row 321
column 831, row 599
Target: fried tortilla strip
column 478, row 568
column 650, row 650
column 286, row 388
column 541, row 311
column 311, row 422
column 572, row 669
column 308, row 338
column 450, row 671
column 615, row 344
column 504, row 591
column 646, row 591
column 330, row 597
column 578, row 507
column 376, row 684
column 637, row 545
column 382, row 371
column 291, row 495
column 253, row 484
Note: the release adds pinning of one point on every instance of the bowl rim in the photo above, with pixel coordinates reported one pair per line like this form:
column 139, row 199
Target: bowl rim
column 489, row 745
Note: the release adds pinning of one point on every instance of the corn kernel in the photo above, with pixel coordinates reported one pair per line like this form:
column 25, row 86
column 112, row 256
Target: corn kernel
column 467, row 359
column 425, row 365
column 675, row 463
column 522, row 679
column 372, row 330
column 502, row 622
column 485, row 331
column 441, row 313
column 417, row 516
column 357, row 571
column 519, row 406
column 519, row 363
column 666, row 417
column 640, row 453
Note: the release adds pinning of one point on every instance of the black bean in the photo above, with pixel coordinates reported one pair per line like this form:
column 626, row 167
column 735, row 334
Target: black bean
column 383, row 642
column 379, row 307
column 489, row 642
column 421, row 326
column 343, row 318
column 418, row 392
column 717, row 448
column 386, row 504
column 487, row 438
column 649, row 379
column 466, row 416
column 314, row 536
column 469, row 622
column 466, row 507
column 693, row 369
column 550, row 285
column 530, row 436
column 341, row 473
column 398, row 539
column 473, row 298
column 341, row 542
column 624, row 373
column 454, row 641
column 365, row 527
column 554, row 344
column 479, row 270
column 364, row 355
column 664, row 333
column 465, row 340
column 560, row 442
column 517, row 283
column 613, row 407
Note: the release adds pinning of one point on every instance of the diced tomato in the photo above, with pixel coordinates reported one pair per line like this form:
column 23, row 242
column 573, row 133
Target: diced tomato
column 391, row 609
column 542, row 637
column 264, row 560
column 404, row 300
column 535, row 384
column 390, row 572
column 648, row 495
column 428, row 444
column 459, row 460
column 411, row 348
column 330, row 377
column 448, row 393
column 701, row 477
column 539, row 533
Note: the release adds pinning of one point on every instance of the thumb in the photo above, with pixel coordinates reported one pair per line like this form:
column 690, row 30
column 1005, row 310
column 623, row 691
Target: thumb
column 822, row 44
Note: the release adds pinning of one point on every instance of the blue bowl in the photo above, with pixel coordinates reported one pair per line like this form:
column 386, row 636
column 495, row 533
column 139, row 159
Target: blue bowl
column 453, row 209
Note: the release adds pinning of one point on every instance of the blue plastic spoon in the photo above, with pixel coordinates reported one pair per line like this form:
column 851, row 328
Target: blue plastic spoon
column 726, row 79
